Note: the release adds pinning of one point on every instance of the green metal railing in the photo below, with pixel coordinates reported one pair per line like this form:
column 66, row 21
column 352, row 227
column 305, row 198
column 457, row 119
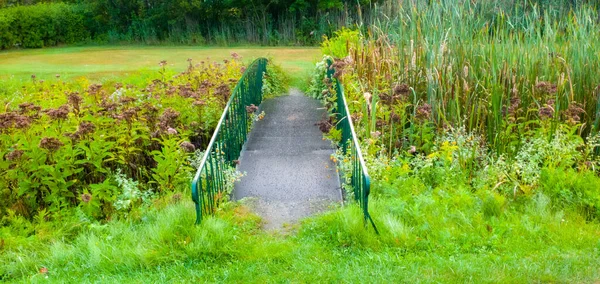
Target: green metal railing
column 209, row 184
column 359, row 178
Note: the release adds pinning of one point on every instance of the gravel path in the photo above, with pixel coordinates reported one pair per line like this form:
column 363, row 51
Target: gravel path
column 288, row 169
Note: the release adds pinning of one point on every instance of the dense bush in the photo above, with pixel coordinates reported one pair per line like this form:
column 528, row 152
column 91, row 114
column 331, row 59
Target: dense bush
column 106, row 149
column 42, row 25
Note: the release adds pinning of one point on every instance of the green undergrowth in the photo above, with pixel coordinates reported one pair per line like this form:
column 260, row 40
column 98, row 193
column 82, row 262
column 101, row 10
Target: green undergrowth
column 276, row 82
column 452, row 232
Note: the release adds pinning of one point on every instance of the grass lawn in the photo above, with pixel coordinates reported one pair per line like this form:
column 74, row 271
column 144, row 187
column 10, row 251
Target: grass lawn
column 105, row 63
column 164, row 246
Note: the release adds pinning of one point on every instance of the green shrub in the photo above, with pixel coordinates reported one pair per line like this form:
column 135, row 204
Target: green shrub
column 107, row 149
column 7, row 34
column 42, row 25
column 341, row 43
column 275, row 82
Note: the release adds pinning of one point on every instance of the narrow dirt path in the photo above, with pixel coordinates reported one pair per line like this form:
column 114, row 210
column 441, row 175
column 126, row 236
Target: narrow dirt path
column 287, row 163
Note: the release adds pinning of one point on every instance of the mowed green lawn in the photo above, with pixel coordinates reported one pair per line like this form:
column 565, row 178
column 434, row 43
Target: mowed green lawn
column 100, row 63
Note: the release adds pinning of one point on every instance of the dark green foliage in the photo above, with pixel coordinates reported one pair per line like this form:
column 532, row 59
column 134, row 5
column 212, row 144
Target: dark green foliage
column 268, row 22
column 272, row 22
column 42, row 25
column 276, row 81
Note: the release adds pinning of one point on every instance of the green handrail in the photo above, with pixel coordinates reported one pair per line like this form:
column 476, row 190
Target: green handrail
column 360, row 180
column 208, row 186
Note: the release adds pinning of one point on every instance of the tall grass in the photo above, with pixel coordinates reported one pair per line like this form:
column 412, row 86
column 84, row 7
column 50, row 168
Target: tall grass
column 425, row 236
column 496, row 68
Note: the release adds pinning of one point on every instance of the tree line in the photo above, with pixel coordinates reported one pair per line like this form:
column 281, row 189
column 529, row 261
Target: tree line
column 38, row 23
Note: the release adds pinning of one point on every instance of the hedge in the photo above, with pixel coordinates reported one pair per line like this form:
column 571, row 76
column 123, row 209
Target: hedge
column 42, row 25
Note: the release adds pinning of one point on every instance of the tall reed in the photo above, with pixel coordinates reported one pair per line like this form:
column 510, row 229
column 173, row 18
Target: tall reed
column 498, row 69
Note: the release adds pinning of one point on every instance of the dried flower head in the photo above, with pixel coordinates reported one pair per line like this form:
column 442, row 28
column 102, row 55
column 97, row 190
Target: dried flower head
column 129, row 114
column 251, row 108
column 424, row 111
column 86, row 127
column 50, row 144
column 14, row 155
column 75, row 100
column 367, row 96
column 168, row 118
column 185, row 91
column 13, row 119
column 546, row 112
column 172, row 131
column 401, row 89
column 7, row 120
column 93, row 89
column 235, row 55
column 324, row 125
column 222, row 91
column 127, row 100
column 27, row 107
column 60, row 113
column 188, row 147
column 338, row 67
column 356, row 116
column 199, row 103
column 86, row 197
column 22, row 121
column 206, row 84
column 513, row 109
column 162, row 63
column 574, row 113
column 108, row 106
column 546, row 87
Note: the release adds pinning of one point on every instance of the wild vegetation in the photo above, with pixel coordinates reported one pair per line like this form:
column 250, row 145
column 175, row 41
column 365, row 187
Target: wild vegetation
column 475, row 124
column 522, row 96
column 35, row 23
column 289, row 22
column 106, row 149
column 479, row 124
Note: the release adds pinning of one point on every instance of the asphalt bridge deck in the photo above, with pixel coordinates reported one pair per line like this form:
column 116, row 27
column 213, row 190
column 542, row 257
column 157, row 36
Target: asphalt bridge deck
column 287, row 163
